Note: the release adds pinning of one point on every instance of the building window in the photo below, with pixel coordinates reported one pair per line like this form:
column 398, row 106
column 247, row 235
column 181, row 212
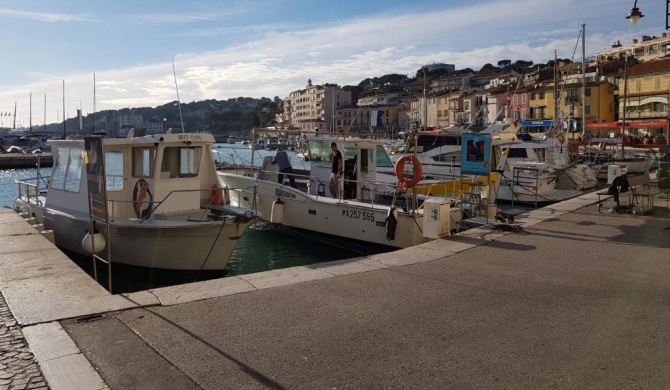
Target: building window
column 587, row 92
column 587, row 109
column 515, row 99
column 524, row 98
column 523, row 114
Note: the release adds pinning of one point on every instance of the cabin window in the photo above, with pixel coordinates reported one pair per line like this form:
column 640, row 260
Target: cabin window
column 383, row 159
column 181, row 162
column 451, row 157
column 73, row 173
column 319, row 151
column 114, row 170
column 517, row 153
column 59, row 169
column 143, row 161
column 366, row 158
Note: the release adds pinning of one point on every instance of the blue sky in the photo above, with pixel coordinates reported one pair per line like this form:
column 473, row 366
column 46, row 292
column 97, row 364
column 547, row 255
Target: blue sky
column 256, row 48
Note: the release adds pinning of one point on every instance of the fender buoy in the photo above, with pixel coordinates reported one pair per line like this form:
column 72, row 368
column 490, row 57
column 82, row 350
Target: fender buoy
column 400, row 167
column 217, row 195
column 561, row 139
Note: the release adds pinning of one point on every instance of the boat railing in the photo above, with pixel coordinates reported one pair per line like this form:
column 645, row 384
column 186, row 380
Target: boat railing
column 156, row 205
column 31, row 188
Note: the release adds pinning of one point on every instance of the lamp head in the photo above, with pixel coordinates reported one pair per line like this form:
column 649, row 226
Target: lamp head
column 635, row 15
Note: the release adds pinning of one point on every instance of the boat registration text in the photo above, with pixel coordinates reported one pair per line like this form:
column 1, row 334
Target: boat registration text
column 357, row 214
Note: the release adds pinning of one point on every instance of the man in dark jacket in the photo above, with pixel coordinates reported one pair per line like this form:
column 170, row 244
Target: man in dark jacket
column 283, row 162
column 336, row 171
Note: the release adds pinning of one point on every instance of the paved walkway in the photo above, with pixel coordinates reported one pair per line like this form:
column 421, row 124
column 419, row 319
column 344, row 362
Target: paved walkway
column 18, row 367
column 575, row 299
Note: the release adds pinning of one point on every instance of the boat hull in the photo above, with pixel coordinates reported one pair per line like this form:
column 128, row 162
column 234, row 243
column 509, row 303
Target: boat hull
column 154, row 244
column 324, row 215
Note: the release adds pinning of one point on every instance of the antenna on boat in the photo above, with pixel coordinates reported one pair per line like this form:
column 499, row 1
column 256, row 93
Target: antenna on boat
column 178, row 101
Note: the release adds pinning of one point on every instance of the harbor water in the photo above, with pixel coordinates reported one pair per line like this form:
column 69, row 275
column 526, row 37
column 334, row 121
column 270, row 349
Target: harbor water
column 261, row 248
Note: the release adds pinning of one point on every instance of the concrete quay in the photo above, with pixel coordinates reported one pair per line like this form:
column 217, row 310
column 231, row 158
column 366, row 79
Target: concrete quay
column 575, row 299
column 15, row 161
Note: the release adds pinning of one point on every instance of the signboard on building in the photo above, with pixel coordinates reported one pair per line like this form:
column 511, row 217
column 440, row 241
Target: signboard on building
column 476, row 154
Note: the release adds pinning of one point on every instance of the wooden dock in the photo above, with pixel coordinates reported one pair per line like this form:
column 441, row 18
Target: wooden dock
column 14, row 160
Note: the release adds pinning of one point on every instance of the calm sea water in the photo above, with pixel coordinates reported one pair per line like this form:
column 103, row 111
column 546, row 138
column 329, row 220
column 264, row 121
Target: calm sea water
column 260, row 248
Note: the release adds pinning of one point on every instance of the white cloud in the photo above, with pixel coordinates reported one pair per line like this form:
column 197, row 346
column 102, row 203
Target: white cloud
column 44, row 17
column 343, row 52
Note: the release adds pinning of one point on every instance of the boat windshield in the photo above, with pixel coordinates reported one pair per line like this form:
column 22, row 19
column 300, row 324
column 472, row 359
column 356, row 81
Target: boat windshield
column 425, row 143
column 319, row 150
column 383, row 159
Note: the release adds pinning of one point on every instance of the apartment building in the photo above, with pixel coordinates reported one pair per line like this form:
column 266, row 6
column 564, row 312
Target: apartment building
column 366, row 119
column 314, row 107
column 644, row 97
column 130, row 120
column 649, row 48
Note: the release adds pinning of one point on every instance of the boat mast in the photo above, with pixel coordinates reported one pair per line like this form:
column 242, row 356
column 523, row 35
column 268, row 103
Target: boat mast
column 64, row 131
column 94, row 102
column 178, row 100
column 30, row 114
column 14, row 124
column 555, row 122
column 583, row 80
column 425, row 102
column 45, row 112
column 625, row 93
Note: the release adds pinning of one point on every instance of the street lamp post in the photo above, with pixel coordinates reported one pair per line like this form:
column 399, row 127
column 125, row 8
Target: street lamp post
column 635, row 15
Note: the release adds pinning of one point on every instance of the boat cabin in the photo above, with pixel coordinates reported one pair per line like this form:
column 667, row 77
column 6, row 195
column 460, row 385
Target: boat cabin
column 363, row 160
column 140, row 173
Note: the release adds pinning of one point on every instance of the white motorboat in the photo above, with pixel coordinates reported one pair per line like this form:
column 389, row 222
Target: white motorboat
column 362, row 212
column 439, row 152
column 163, row 205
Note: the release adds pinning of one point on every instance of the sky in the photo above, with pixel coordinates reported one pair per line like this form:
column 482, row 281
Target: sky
column 220, row 49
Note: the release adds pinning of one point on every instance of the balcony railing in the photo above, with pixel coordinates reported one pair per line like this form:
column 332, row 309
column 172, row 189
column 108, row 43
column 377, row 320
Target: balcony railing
column 647, row 114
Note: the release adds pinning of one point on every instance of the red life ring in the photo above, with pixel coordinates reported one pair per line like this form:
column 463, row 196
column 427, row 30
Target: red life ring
column 561, row 139
column 400, row 167
column 217, row 195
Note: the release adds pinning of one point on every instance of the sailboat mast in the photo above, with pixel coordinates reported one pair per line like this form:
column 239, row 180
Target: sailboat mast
column 583, row 80
column 45, row 112
column 555, row 123
column 14, row 124
column 625, row 93
column 64, row 132
column 30, row 114
column 93, row 102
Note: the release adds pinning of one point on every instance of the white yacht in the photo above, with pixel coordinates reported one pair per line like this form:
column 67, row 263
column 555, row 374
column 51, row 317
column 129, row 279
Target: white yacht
column 159, row 194
column 361, row 212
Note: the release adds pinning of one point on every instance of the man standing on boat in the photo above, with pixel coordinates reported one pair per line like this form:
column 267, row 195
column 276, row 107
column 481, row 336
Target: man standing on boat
column 336, row 172
column 283, row 162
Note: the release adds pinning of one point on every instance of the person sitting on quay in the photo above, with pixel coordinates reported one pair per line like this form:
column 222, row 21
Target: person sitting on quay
column 283, row 162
